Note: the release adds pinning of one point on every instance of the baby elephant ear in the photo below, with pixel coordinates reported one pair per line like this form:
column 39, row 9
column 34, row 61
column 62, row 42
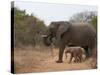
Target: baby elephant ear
column 63, row 27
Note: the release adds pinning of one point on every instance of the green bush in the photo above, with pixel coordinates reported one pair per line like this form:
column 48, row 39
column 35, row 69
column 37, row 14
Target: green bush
column 94, row 21
column 27, row 28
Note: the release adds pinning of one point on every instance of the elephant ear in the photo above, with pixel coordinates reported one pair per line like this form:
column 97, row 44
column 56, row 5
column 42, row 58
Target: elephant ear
column 63, row 27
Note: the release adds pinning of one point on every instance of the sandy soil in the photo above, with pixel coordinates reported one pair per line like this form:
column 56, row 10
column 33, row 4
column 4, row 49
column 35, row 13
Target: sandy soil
column 43, row 60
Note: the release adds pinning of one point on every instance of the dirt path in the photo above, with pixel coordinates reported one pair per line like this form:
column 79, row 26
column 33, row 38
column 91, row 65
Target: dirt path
column 50, row 65
column 33, row 61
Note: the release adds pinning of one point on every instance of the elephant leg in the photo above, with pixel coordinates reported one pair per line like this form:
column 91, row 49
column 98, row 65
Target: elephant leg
column 80, row 59
column 75, row 59
column 92, row 51
column 61, row 51
column 71, row 58
column 89, row 51
column 86, row 51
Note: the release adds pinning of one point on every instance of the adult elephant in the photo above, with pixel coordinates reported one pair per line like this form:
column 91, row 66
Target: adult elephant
column 68, row 34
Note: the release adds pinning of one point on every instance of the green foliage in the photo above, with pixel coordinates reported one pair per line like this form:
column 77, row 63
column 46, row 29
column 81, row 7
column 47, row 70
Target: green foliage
column 94, row 21
column 27, row 28
column 85, row 17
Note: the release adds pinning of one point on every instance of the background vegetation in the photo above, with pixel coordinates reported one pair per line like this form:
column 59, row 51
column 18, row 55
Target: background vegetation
column 27, row 29
column 86, row 16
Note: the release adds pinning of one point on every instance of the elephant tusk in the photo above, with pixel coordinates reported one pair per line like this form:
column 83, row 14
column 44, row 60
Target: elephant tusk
column 44, row 36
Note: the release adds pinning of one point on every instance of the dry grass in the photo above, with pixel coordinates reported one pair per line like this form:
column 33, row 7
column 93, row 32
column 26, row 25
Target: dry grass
column 43, row 60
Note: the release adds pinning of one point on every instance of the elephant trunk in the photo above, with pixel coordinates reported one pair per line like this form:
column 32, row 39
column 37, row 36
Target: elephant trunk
column 47, row 39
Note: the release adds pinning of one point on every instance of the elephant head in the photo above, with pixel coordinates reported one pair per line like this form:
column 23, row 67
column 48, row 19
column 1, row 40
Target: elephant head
column 56, row 29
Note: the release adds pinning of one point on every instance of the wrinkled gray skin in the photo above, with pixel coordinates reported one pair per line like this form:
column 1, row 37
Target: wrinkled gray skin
column 75, row 52
column 67, row 34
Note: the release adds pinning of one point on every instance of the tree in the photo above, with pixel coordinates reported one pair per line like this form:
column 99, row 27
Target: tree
column 27, row 28
column 83, row 16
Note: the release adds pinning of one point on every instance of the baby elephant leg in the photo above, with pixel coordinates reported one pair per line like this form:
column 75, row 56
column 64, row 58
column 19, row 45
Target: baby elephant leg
column 71, row 58
column 75, row 59
column 80, row 59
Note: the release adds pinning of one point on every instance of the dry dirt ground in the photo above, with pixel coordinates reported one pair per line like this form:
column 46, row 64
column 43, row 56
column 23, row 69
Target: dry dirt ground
column 43, row 60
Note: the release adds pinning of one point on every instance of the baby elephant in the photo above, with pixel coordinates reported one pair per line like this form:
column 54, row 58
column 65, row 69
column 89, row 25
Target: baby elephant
column 75, row 52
